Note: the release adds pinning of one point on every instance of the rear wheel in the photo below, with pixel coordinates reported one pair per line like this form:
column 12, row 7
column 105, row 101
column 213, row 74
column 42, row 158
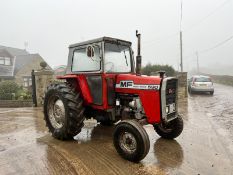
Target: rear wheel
column 171, row 130
column 63, row 111
column 131, row 140
column 211, row 92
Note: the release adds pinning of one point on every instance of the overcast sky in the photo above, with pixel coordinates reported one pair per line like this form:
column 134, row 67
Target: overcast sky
column 49, row 26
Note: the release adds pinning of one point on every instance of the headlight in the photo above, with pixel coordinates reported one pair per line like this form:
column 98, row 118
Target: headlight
column 167, row 109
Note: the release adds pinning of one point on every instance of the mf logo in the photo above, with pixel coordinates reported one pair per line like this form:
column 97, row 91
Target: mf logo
column 126, row 84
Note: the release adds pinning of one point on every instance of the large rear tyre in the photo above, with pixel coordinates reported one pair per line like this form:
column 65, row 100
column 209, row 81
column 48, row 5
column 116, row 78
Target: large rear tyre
column 131, row 140
column 63, row 111
column 171, row 130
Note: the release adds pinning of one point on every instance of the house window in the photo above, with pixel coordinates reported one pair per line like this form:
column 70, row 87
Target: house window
column 27, row 81
column 5, row 61
column 2, row 60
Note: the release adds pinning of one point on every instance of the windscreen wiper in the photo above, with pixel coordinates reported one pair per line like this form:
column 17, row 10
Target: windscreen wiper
column 126, row 59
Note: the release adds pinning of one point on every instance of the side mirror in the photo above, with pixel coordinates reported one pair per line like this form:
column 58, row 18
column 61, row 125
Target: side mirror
column 90, row 51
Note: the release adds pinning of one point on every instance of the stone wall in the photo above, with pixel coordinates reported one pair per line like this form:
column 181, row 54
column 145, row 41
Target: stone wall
column 15, row 103
column 43, row 78
column 182, row 85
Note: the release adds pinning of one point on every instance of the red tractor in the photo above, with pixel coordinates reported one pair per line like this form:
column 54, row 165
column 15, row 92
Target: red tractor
column 101, row 82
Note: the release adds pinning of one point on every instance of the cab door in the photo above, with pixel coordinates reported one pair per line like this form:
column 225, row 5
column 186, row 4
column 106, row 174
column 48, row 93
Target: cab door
column 87, row 61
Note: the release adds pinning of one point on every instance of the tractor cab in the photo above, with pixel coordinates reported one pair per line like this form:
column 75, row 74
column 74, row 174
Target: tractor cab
column 98, row 63
column 103, row 55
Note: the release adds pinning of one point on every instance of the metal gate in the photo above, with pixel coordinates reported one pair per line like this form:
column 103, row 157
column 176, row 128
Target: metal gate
column 34, row 89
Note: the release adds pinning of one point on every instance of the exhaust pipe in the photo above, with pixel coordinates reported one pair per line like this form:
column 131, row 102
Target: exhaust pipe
column 138, row 57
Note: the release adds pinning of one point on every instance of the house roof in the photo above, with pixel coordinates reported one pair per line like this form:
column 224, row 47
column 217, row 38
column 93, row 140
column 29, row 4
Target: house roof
column 22, row 60
column 5, row 53
column 19, row 58
column 14, row 51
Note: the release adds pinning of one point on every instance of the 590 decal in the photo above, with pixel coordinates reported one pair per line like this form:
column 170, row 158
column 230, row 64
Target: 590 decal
column 131, row 85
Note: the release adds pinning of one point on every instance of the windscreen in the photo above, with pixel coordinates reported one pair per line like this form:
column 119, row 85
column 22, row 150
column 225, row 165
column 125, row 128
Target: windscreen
column 117, row 58
column 202, row 79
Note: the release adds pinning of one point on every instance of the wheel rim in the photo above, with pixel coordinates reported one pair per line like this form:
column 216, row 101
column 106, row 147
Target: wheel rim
column 127, row 142
column 56, row 112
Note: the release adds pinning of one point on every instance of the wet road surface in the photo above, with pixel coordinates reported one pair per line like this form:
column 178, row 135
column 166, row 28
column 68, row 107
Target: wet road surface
column 204, row 147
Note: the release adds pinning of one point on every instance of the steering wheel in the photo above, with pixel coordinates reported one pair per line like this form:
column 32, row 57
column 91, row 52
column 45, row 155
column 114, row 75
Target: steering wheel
column 111, row 66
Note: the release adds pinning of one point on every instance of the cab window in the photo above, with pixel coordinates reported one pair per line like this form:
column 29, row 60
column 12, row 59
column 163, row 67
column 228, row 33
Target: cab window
column 85, row 62
column 117, row 58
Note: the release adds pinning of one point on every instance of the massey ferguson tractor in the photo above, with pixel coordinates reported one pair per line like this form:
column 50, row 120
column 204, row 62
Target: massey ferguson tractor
column 102, row 82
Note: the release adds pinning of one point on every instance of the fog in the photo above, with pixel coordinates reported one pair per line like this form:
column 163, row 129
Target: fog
column 50, row 26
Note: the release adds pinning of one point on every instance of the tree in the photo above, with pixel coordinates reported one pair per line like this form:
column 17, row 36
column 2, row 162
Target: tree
column 151, row 69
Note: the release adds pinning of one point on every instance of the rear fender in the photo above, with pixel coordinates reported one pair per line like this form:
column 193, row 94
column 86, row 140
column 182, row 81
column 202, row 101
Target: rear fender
column 80, row 83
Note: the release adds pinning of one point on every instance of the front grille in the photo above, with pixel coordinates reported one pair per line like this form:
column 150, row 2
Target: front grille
column 171, row 91
column 171, row 94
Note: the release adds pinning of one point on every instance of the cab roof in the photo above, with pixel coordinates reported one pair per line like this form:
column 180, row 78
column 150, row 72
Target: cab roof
column 100, row 40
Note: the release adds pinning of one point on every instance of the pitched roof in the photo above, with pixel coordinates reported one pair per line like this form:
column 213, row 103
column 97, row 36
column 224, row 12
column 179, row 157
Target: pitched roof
column 14, row 51
column 22, row 60
column 5, row 53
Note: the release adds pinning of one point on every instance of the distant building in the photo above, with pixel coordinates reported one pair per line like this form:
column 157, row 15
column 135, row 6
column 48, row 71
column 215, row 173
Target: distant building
column 17, row 64
column 60, row 70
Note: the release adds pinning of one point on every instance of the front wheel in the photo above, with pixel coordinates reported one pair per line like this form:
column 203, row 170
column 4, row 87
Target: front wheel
column 131, row 140
column 170, row 130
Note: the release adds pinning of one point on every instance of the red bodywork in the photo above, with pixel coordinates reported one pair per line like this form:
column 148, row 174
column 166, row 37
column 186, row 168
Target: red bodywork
column 150, row 98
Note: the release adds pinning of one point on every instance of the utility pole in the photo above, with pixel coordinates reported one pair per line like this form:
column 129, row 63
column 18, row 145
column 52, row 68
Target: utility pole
column 178, row 65
column 181, row 52
column 198, row 69
column 181, row 39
